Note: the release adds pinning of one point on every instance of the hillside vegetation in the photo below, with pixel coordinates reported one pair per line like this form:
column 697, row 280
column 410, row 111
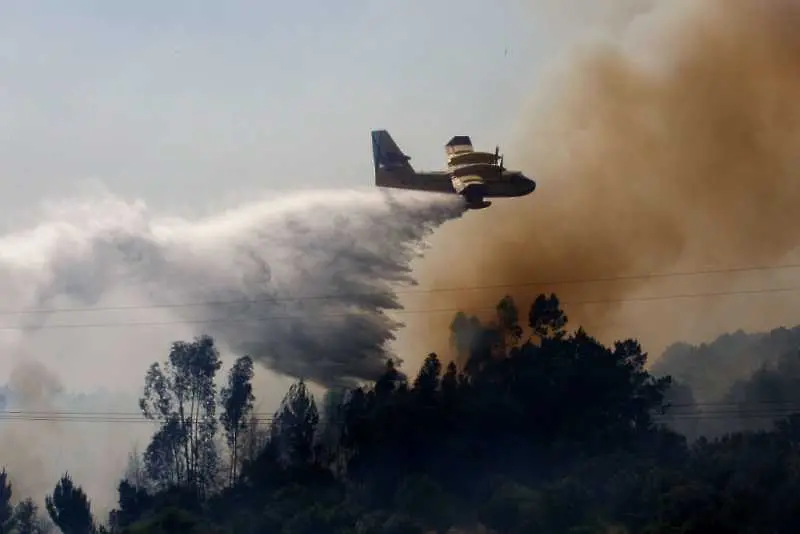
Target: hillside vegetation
column 536, row 428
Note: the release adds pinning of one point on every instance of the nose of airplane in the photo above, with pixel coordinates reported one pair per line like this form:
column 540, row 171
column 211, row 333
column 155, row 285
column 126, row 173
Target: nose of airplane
column 530, row 185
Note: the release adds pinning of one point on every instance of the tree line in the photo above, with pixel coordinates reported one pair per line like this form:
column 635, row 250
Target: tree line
column 531, row 428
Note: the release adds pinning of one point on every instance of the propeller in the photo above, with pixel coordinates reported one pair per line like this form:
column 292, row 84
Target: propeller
column 497, row 157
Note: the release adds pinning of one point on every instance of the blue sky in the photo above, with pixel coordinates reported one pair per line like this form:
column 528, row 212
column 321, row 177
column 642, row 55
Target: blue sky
column 183, row 102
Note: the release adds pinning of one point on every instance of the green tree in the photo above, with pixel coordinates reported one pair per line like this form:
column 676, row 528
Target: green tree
column 136, row 471
column 295, row 425
column 26, row 519
column 133, row 503
column 464, row 331
column 69, row 508
column 390, row 381
column 423, row 498
column 237, row 404
column 450, row 383
column 428, row 378
column 508, row 322
column 329, row 431
column 165, row 456
column 402, row 524
column 253, row 439
column 546, row 318
column 6, row 510
column 171, row 520
column 558, row 436
column 505, row 509
column 181, row 396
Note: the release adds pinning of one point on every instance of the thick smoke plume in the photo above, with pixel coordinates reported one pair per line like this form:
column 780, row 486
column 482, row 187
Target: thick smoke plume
column 672, row 144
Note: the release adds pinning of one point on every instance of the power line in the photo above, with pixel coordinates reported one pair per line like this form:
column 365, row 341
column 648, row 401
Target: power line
column 731, row 415
column 58, row 413
column 653, row 298
column 643, row 276
column 725, row 416
column 736, row 411
column 795, row 404
column 733, row 403
column 57, row 418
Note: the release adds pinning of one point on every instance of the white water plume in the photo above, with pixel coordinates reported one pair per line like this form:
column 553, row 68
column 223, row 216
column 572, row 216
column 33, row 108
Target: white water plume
column 98, row 289
column 301, row 282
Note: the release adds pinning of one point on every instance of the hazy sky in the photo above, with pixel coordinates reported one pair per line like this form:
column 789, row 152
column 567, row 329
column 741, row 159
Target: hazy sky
column 183, row 102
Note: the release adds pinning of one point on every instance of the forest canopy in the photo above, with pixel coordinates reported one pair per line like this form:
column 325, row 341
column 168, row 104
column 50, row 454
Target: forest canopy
column 533, row 427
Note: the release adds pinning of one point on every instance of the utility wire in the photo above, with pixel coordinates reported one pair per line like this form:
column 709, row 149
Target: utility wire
column 553, row 282
column 657, row 418
column 678, row 296
column 795, row 404
column 749, row 410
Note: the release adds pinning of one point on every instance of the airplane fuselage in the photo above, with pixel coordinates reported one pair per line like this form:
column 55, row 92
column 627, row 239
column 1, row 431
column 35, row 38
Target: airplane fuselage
column 473, row 175
column 502, row 184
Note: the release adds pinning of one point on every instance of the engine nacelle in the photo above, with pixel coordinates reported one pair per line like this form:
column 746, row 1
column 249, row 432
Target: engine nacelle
column 478, row 204
column 463, row 184
column 473, row 189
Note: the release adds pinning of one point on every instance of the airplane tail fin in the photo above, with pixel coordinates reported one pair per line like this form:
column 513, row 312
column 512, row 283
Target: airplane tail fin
column 386, row 155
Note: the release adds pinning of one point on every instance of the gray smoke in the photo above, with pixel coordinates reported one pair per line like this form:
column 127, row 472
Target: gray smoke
column 302, row 283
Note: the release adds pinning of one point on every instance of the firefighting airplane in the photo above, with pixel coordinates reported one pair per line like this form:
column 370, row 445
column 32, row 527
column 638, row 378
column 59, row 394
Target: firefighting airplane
column 473, row 175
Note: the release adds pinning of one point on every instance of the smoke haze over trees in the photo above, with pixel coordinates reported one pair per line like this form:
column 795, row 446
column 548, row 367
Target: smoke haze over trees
column 663, row 139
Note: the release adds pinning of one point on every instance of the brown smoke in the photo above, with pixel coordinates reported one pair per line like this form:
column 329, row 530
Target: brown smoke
column 672, row 147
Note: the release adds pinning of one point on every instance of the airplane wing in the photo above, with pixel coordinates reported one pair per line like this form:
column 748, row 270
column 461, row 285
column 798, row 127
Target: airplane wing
column 392, row 168
column 427, row 181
